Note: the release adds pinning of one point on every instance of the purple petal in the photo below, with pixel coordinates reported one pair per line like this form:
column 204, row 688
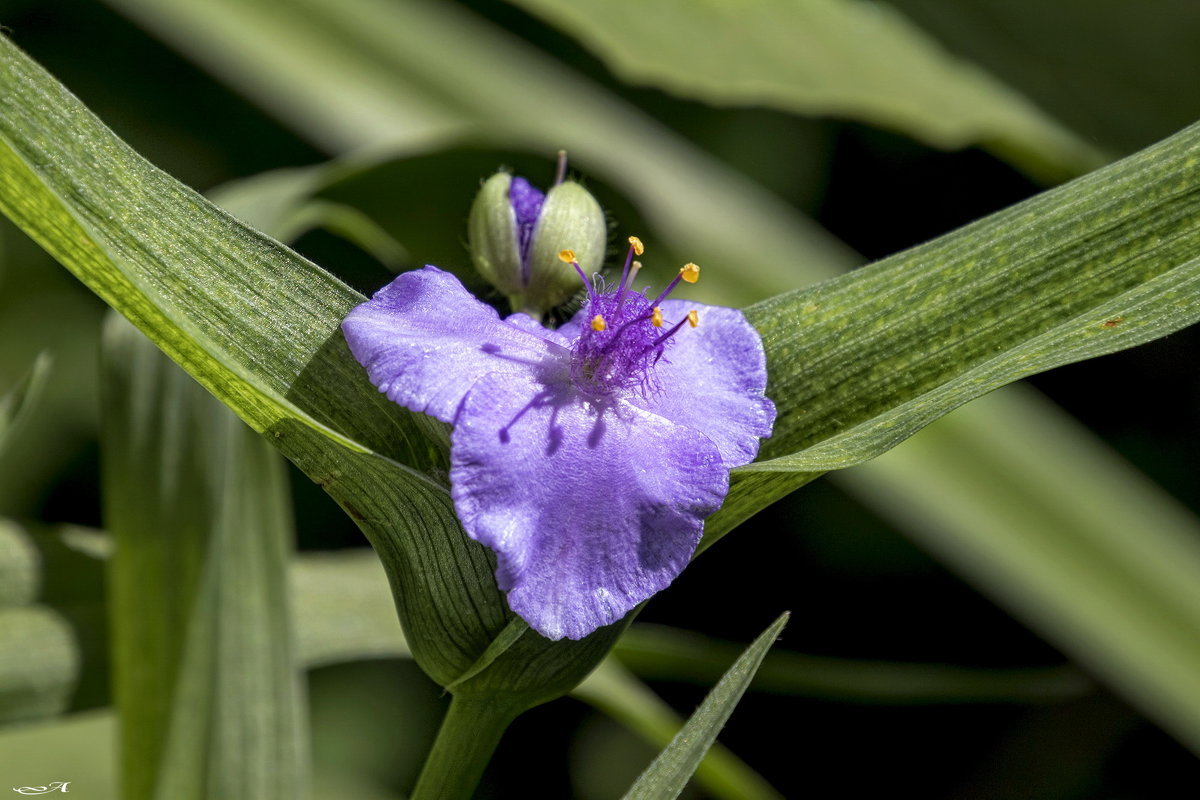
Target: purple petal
column 527, row 207
column 711, row 379
column 425, row 341
column 590, row 512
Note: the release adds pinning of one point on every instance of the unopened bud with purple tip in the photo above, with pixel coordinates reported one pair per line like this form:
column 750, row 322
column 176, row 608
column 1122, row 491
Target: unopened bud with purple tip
column 515, row 233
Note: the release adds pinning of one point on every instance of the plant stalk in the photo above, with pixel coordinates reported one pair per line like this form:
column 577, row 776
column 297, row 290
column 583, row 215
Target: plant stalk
column 464, row 745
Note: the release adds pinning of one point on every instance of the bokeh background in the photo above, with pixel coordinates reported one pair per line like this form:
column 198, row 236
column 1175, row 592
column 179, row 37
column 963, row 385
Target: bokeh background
column 1119, row 76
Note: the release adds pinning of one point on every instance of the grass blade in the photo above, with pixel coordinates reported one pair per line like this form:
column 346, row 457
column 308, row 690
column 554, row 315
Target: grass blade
column 861, row 362
column 615, row 690
column 206, row 682
column 673, row 768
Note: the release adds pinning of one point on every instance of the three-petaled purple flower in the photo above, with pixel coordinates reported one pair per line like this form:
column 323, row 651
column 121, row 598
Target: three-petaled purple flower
column 586, row 457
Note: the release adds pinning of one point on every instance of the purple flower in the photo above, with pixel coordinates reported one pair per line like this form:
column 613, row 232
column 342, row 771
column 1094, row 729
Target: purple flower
column 586, row 457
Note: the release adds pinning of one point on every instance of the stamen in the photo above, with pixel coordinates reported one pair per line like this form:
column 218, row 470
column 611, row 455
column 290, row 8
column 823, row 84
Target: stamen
column 598, row 323
column 635, row 246
column 656, row 318
column 689, row 272
column 674, row 329
column 693, row 318
column 569, row 257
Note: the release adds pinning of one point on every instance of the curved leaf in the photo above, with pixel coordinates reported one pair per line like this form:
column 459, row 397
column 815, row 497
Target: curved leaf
column 861, row 362
column 844, row 58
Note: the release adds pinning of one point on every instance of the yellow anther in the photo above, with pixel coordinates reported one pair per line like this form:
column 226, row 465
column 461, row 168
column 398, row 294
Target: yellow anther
column 636, row 243
column 690, row 272
column 693, row 318
column 566, row 255
column 656, row 317
column 598, row 323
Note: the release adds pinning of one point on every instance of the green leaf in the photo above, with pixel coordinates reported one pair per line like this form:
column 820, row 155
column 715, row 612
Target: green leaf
column 1120, row 86
column 843, row 58
column 614, row 690
column 258, row 326
column 16, row 403
column 859, row 363
column 670, row 772
column 209, row 693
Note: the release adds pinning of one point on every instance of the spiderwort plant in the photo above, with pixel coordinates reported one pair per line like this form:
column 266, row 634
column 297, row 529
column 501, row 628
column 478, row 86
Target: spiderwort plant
column 586, row 457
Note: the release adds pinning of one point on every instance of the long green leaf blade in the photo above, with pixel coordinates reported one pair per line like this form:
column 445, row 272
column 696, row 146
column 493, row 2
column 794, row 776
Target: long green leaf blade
column 836, row 57
column 206, row 681
column 616, row 691
column 1109, row 261
column 670, row 772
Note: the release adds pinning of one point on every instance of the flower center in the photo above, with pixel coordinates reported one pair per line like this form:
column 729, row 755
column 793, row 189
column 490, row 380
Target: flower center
column 625, row 338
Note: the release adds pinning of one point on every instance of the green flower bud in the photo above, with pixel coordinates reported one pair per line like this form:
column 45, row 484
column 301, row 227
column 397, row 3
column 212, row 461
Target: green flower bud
column 492, row 236
column 515, row 234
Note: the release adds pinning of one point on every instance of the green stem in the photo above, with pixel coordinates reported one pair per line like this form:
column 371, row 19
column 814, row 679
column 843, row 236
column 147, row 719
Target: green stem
column 464, row 745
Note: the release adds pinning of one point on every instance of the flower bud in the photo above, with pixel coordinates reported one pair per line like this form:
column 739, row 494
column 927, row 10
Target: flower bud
column 515, row 234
